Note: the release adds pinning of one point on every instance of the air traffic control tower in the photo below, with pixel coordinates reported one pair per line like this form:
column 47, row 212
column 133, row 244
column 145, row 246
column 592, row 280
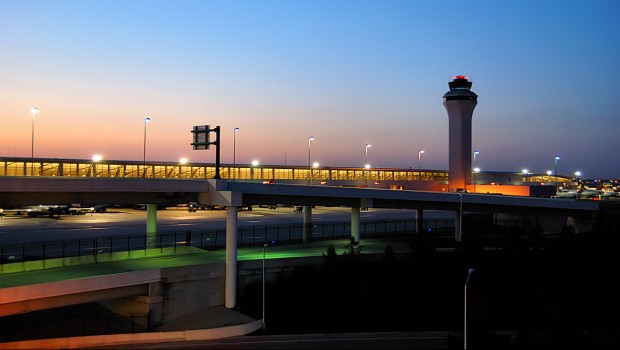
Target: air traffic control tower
column 460, row 102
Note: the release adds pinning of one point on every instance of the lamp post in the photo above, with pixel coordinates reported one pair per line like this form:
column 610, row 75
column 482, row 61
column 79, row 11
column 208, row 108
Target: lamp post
column 366, row 153
column 146, row 121
column 366, row 165
column 476, row 153
column 34, row 111
column 460, row 235
column 264, row 299
column 235, row 131
column 182, row 161
column 549, row 172
column 555, row 164
column 476, row 171
column 420, row 152
column 525, row 172
column 469, row 272
column 96, row 158
column 310, row 139
column 577, row 175
column 254, row 165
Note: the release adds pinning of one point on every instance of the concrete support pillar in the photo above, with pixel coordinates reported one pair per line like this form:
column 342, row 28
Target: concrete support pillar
column 231, row 256
column 307, row 235
column 419, row 221
column 151, row 225
column 355, row 224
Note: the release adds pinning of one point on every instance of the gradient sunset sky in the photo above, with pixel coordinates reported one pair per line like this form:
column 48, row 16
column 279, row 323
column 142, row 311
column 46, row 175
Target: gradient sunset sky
column 348, row 72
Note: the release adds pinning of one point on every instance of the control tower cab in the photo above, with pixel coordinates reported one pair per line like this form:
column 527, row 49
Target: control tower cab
column 460, row 102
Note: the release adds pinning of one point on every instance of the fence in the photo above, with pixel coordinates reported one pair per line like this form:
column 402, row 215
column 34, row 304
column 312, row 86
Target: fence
column 213, row 240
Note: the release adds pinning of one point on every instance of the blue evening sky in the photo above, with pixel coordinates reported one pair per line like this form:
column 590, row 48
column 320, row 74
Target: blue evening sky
column 346, row 72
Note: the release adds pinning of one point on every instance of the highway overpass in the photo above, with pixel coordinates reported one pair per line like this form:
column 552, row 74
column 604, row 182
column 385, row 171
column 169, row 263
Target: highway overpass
column 232, row 194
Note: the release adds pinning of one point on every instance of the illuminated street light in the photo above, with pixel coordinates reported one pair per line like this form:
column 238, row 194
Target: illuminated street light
column 264, row 299
column 146, row 121
column 366, row 165
column 310, row 139
column 34, row 111
column 549, row 172
column 525, row 172
column 182, row 161
column 254, row 164
column 469, row 272
column 420, row 151
column 577, row 173
column 235, row 131
column 476, row 153
column 315, row 164
column 96, row 158
column 555, row 164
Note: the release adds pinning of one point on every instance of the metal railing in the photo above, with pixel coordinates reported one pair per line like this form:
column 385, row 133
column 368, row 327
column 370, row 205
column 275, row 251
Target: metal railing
column 212, row 240
column 247, row 237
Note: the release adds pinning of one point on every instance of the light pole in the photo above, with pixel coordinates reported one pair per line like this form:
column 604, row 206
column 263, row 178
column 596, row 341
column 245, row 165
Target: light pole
column 549, row 172
column 34, row 111
column 366, row 165
column 420, row 152
column 254, row 165
column 235, row 131
column 476, row 171
column 146, row 121
column 525, row 172
column 264, row 325
column 469, row 272
column 460, row 235
column 96, row 158
column 577, row 175
column 182, row 161
column 366, row 153
column 476, row 153
column 310, row 139
column 555, row 164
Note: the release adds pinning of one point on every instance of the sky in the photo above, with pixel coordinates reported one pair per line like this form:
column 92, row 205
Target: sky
column 347, row 72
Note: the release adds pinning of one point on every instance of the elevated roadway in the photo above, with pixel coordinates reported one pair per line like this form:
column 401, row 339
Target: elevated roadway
column 232, row 195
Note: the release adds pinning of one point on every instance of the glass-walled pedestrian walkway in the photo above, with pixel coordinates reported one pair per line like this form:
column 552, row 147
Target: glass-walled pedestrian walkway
column 11, row 166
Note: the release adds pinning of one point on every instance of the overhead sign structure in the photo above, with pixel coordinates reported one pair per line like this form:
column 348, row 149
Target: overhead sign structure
column 201, row 136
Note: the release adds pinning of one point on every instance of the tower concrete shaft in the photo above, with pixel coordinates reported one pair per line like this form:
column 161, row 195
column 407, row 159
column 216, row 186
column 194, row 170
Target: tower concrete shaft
column 460, row 102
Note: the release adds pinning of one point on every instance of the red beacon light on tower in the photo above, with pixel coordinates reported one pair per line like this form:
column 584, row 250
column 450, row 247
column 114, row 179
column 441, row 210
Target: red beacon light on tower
column 459, row 82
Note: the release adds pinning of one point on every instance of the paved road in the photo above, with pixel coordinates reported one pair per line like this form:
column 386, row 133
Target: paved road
column 127, row 222
column 404, row 340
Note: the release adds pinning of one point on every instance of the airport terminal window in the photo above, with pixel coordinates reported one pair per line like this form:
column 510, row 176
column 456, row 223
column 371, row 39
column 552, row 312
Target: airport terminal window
column 283, row 174
column 132, row 171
